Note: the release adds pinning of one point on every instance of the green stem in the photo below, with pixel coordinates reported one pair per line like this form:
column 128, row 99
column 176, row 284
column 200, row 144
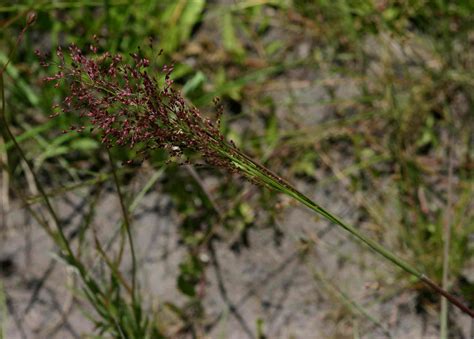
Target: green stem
column 126, row 223
column 258, row 172
column 62, row 240
column 58, row 236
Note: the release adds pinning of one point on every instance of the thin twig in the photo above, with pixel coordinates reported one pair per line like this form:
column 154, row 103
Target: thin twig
column 126, row 223
column 447, row 241
column 5, row 205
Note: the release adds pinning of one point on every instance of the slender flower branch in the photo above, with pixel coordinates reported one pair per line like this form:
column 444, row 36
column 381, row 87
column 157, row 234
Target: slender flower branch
column 136, row 110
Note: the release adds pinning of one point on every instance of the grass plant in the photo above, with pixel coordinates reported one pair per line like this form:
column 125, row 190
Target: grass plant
column 134, row 109
column 413, row 84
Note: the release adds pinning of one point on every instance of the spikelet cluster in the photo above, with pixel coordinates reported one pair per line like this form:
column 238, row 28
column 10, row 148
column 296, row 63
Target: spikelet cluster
column 133, row 108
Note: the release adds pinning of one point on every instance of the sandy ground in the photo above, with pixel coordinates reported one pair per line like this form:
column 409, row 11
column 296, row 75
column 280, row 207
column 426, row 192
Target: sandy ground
column 269, row 281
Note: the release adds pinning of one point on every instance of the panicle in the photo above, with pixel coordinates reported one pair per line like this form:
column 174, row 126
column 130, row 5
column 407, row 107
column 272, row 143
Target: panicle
column 134, row 109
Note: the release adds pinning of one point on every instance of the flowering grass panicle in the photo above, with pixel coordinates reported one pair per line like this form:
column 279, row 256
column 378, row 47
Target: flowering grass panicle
column 135, row 109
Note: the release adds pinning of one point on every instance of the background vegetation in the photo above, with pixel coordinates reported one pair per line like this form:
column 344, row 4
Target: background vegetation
column 368, row 103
